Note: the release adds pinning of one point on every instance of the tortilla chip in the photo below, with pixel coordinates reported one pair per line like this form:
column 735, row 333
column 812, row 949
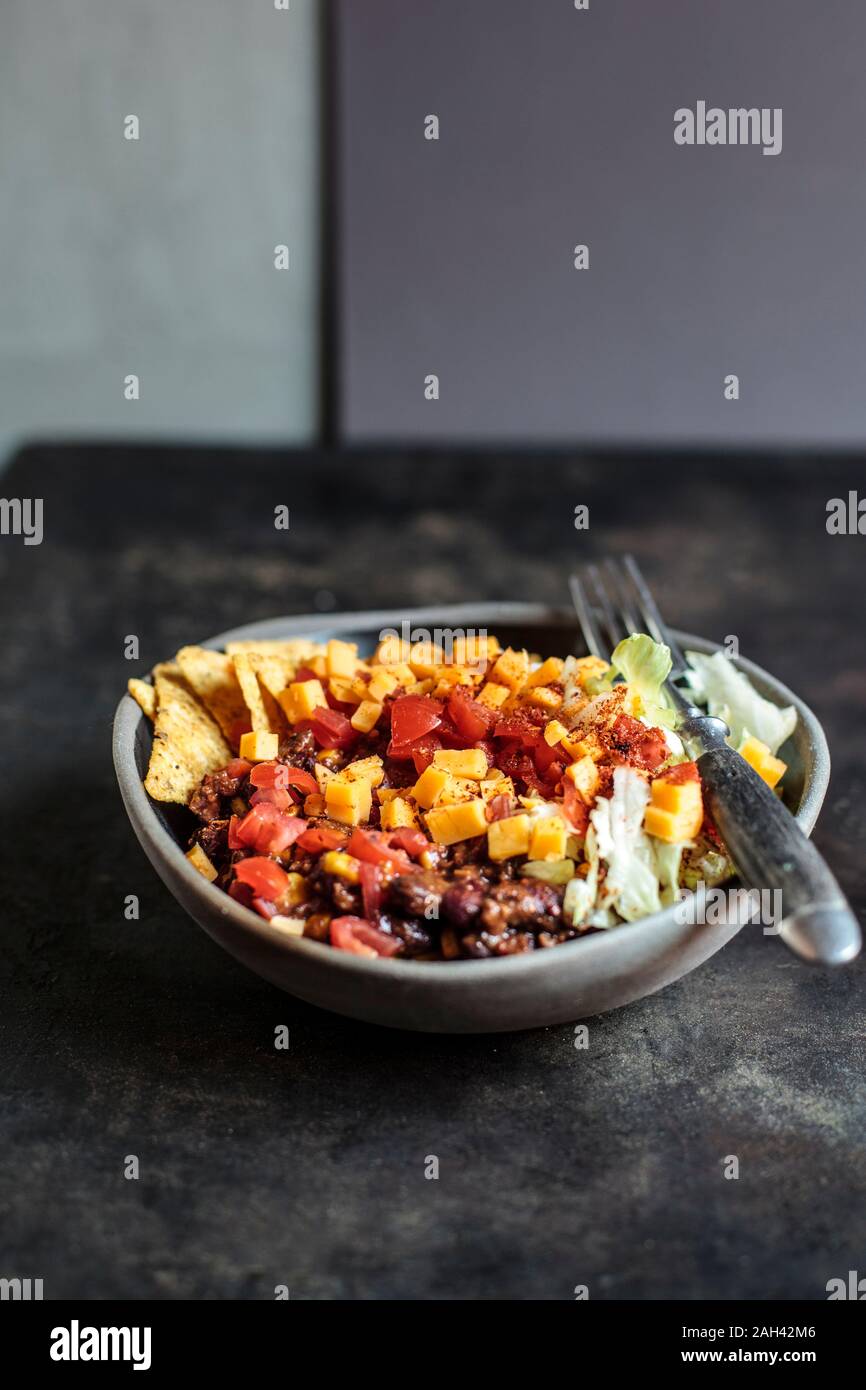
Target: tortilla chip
column 212, row 676
column 297, row 649
column 187, row 742
column 264, row 712
column 144, row 695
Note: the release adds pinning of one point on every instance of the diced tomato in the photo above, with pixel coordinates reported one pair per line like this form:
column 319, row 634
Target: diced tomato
column 266, row 878
column 268, row 830
column 519, row 728
column 372, row 847
column 241, row 892
column 545, row 756
column 413, row 716
column 318, row 838
column 234, row 842
column 470, row 717
column 331, row 729
column 305, row 673
column 264, row 908
column 238, row 767
column 575, row 808
column 272, row 796
column 414, row 842
column 371, row 890
column 423, row 750
column 280, row 775
column 361, row 938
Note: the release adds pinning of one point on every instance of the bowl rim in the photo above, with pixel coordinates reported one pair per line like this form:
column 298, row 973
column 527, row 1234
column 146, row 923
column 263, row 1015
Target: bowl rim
column 160, row 844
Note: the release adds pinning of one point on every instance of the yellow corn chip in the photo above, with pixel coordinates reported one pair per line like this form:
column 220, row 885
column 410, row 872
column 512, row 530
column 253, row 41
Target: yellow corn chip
column 144, row 695
column 212, row 676
column 187, row 742
column 264, row 712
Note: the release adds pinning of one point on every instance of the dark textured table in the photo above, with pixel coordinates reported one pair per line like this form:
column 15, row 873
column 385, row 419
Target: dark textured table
column 558, row 1167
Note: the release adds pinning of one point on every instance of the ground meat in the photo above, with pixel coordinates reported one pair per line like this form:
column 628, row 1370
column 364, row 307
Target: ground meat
column 524, row 902
column 213, row 837
column 480, row 945
column 345, row 897
column 469, row 852
column 205, row 801
column 417, row 894
column 298, row 750
column 415, row 937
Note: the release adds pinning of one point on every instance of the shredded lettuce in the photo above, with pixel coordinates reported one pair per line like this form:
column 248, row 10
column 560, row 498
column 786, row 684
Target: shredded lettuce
column 631, row 885
column 729, row 695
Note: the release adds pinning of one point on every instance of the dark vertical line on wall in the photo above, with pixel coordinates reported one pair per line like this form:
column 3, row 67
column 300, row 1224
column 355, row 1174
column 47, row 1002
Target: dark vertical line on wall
column 329, row 422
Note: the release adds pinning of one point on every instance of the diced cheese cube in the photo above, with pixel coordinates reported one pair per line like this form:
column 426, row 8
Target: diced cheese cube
column 549, row 839
column 341, row 865
column 392, row 650
column 549, row 670
column 366, row 715
column 758, row 756
column 404, row 673
column 508, row 837
column 474, row 649
column 324, row 775
column 318, row 665
column 348, row 802
column 544, row 698
column 301, row 698
column 200, row 861
column 493, row 694
column 676, row 810
column 676, row 796
column 259, row 746
column 554, row 733
column 382, row 683
column 449, row 824
column 366, row 770
column 348, row 692
column 584, row 775
column 665, row 825
column 586, row 747
column 292, row 926
column 462, row 762
column 511, row 668
column 342, row 658
column 500, row 786
column 457, row 789
column 425, row 658
column 384, row 794
column 396, row 813
column 587, row 666
column 429, row 787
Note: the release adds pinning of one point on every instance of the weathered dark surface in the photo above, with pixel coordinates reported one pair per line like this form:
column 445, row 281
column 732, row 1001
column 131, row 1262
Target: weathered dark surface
column 558, row 1167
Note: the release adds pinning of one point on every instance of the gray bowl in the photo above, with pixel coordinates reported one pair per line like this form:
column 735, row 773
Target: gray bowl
column 572, row 981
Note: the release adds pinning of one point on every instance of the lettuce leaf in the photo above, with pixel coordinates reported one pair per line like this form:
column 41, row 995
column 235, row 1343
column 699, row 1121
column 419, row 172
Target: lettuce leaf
column 729, row 695
column 645, row 666
column 631, row 885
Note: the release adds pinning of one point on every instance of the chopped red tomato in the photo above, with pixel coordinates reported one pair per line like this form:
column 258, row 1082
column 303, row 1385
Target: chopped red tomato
column 423, row 750
column 319, row 838
column 371, row 890
column 544, row 755
column 575, row 808
column 517, row 727
column 238, row 767
column 305, row 673
column 266, row 878
column 241, row 892
column 331, row 729
column 413, row 716
column 267, row 830
column 372, row 847
column 272, row 796
column 361, row 938
column 414, row 842
column 266, row 775
column 264, row 908
column 234, row 842
column 470, row 717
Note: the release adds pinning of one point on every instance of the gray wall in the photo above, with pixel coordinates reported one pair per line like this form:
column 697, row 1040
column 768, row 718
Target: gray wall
column 156, row 257
column 557, row 128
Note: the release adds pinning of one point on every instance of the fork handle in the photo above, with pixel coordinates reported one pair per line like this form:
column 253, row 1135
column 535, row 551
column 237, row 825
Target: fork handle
column 771, row 852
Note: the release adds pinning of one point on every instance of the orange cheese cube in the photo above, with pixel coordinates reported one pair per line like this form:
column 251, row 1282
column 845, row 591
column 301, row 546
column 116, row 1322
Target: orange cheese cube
column 259, row 746
column 549, row 839
column 508, row 837
column 462, row 762
column 511, row 668
column 430, row 785
column 301, row 698
column 366, row 716
column 449, row 824
column 396, row 813
column 493, row 694
column 349, row 802
column 758, row 756
column 549, row 670
column 342, row 658
column 382, row 682
column 584, row 775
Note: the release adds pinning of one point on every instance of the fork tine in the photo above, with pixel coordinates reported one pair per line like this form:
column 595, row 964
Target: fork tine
column 652, row 617
column 591, row 635
column 616, row 628
column 619, row 586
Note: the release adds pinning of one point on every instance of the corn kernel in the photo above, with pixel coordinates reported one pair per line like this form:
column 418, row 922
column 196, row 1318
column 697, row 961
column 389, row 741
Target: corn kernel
column 341, row 865
column 301, row 698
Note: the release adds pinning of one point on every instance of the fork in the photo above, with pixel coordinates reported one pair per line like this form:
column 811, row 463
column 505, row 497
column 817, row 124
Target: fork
column 765, row 843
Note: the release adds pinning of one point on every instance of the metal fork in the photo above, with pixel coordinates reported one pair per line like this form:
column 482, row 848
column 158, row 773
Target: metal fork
column 767, row 846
